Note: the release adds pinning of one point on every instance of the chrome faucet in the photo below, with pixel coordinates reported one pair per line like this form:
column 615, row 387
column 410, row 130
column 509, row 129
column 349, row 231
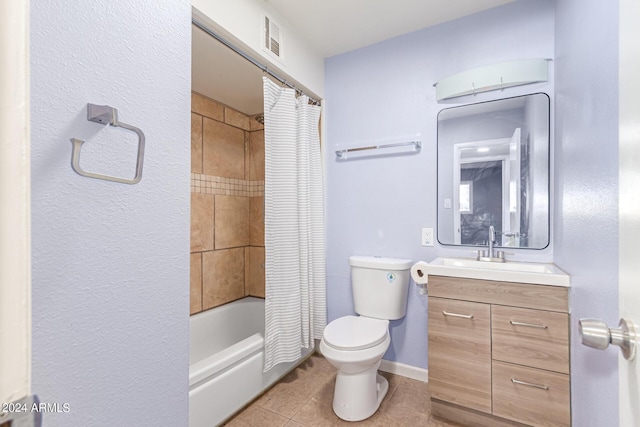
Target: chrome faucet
column 491, row 255
column 492, row 239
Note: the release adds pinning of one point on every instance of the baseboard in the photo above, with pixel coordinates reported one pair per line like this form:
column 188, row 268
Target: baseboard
column 408, row 371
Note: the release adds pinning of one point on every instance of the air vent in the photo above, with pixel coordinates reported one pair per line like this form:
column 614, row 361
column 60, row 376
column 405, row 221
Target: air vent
column 272, row 41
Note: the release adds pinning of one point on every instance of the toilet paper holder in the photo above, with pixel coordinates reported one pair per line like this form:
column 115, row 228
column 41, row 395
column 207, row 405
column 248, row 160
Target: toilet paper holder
column 419, row 276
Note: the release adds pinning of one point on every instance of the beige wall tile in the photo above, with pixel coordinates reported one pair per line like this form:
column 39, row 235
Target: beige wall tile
column 196, row 283
column 196, row 143
column 256, row 221
column 222, row 277
column 232, row 221
column 202, row 230
column 254, row 281
column 206, row 106
column 255, row 156
column 247, row 146
column 237, row 119
column 222, row 150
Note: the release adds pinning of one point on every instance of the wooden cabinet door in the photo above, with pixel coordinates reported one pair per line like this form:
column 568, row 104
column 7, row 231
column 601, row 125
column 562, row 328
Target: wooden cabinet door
column 460, row 352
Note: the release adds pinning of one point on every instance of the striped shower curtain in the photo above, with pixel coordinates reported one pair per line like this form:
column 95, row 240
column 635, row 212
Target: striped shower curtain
column 295, row 306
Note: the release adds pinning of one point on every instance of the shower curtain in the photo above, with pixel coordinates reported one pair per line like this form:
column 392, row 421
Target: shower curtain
column 295, row 304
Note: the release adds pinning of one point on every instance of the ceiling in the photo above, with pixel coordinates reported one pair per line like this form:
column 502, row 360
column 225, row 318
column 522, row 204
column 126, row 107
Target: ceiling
column 338, row 26
column 223, row 75
column 331, row 26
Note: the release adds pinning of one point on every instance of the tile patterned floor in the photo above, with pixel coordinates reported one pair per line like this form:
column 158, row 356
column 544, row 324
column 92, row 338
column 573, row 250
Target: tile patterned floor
column 304, row 398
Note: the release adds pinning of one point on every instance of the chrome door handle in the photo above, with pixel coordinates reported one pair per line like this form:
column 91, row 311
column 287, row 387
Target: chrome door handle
column 595, row 333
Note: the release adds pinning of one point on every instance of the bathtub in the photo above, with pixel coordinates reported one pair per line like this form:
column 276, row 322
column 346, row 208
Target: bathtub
column 226, row 358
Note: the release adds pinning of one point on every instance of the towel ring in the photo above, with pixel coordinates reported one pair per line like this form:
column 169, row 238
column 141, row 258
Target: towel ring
column 105, row 114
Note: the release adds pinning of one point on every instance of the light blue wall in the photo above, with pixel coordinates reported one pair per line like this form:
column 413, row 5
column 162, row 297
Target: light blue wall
column 377, row 206
column 586, row 214
column 111, row 261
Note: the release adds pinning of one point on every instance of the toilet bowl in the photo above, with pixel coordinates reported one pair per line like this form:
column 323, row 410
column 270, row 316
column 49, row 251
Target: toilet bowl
column 354, row 346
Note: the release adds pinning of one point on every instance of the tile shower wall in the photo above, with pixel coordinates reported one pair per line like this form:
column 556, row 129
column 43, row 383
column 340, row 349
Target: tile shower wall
column 227, row 216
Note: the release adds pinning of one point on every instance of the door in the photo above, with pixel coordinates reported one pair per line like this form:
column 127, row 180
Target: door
column 629, row 285
column 511, row 229
column 481, row 182
column 15, row 296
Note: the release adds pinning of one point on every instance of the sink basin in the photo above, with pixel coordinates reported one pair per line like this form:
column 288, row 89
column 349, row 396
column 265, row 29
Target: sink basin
column 510, row 271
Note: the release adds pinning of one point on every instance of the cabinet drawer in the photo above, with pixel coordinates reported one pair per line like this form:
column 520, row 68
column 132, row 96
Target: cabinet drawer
column 460, row 353
column 531, row 396
column 535, row 338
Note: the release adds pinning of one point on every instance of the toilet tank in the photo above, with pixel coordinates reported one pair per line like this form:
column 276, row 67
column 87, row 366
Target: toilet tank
column 380, row 286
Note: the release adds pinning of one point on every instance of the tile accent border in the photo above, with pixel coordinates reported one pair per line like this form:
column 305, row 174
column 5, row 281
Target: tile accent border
column 210, row 184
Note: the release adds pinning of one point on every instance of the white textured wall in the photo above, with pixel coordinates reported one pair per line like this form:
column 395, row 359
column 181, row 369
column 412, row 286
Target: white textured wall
column 111, row 261
column 241, row 21
column 586, row 214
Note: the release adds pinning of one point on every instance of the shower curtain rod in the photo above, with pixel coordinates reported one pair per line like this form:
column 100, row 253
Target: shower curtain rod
column 265, row 69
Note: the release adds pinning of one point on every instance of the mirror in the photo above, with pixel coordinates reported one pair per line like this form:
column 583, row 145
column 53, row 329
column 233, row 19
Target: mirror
column 493, row 169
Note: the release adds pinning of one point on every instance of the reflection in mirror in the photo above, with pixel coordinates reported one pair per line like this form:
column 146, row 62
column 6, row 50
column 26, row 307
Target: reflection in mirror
column 493, row 169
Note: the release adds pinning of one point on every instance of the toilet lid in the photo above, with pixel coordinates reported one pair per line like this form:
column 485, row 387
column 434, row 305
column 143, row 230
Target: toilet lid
column 355, row 332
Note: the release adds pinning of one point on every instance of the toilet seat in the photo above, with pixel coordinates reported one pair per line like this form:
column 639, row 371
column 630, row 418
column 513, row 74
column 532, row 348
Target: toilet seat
column 355, row 332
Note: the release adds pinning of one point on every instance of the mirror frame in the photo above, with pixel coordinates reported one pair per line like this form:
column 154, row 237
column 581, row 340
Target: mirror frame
column 440, row 202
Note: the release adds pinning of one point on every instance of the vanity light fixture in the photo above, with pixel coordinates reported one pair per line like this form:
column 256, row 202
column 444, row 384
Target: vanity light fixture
column 493, row 77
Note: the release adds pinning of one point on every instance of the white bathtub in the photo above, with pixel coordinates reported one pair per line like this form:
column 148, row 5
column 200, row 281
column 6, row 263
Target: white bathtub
column 226, row 361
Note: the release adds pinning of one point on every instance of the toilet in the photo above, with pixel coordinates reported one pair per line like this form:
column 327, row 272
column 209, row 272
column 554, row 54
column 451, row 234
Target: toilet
column 354, row 345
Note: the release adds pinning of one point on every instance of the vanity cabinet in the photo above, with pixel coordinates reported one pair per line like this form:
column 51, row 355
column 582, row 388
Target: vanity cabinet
column 499, row 352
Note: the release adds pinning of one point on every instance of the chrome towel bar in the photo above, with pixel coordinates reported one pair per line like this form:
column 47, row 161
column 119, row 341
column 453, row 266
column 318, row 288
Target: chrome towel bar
column 341, row 154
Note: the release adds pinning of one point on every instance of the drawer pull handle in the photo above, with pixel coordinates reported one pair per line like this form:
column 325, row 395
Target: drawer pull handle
column 464, row 316
column 543, row 387
column 531, row 325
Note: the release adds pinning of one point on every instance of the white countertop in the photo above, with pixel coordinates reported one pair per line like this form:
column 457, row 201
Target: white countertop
column 509, row 271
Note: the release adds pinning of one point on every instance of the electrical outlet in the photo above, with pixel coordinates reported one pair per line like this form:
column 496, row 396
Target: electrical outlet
column 427, row 237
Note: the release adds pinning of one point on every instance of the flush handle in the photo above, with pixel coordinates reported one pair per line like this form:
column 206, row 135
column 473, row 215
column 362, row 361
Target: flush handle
column 595, row 333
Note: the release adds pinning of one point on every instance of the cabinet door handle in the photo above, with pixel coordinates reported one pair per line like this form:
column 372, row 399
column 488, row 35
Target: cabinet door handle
column 530, row 325
column 464, row 316
column 543, row 387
